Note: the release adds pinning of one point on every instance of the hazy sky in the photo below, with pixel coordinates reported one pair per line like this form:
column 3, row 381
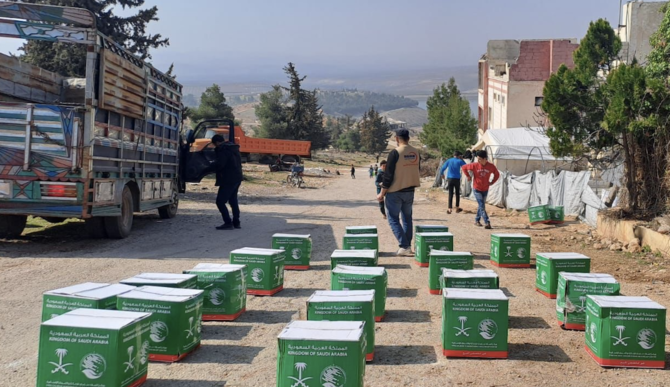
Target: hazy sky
column 224, row 40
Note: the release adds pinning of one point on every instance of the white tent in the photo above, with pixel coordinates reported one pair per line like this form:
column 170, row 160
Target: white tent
column 520, row 150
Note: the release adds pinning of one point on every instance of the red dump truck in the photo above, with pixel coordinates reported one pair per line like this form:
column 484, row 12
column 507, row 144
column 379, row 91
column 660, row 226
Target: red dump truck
column 264, row 150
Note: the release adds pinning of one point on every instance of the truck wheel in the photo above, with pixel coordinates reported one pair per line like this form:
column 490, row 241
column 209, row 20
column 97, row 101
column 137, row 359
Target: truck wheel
column 290, row 159
column 54, row 220
column 118, row 227
column 96, row 228
column 169, row 211
column 11, row 226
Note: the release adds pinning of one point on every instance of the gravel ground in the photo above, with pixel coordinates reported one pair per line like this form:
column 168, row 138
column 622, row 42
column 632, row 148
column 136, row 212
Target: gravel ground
column 243, row 353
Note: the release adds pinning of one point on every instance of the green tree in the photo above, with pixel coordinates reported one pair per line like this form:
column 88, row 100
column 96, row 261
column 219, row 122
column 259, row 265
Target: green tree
column 271, row 112
column 350, row 141
column 212, row 106
column 374, row 133
column 450, row 126
column 129, row 31
column 575, row 100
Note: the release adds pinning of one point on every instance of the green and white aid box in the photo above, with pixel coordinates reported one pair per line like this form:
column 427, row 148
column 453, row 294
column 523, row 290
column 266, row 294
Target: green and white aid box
column 321, row 353
column 539, row 214
column 430, row 228
column 176, row 319
column 625, row 331
column 363, row 278
column 360, row 242
column 475, row 323
column 446, row 259
column 346, row 305
column 510, row 250
column 170, row 280
column 298, row 250
column 366, row 258
column 556, row 214
column 469, row 279
column 573, row 288
column 265, row 269
column 88, row 295
column 352, row 230
column 92, row 347
column 225, row 287
column 427, row 241
column 548, row 265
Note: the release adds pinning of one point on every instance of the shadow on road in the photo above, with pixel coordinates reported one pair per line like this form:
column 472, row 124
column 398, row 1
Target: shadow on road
column 538, row 353
column 407, row 316
column 392, row 355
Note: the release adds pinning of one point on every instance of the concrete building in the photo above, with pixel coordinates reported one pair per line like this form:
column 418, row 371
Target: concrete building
column 639, row 20
column 512, row 74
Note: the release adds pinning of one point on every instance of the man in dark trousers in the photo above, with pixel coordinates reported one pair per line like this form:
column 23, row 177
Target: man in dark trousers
column 401, row 177
column 228, row 168
column 378, row 183
column 453, row 167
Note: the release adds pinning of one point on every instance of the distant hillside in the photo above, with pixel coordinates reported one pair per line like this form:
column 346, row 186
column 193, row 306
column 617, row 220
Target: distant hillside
column 414, row 117
column 355, row 102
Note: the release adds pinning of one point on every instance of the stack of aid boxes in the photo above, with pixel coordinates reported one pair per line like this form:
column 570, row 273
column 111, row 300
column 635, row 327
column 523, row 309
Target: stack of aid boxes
column 573, row 289
column 323, row 353
column 550, row 264
column 363, row 278
column 361, row 238
column 429, row 241
column 265, row 269
column 87, row 295
column 475, row 323
column 298, row 250
column 91, row 347
column 346, row 305
column 446, row 260
column 625, row 331
column 225, row 287
column 366, row 258
column 510, row 250
column 176, row 319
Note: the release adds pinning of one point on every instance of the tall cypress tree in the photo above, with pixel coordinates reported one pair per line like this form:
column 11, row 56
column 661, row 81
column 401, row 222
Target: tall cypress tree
column 130, row 32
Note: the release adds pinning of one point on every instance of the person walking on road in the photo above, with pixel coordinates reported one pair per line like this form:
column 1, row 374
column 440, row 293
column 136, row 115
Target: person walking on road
column 378, row 183
column 401, row 177
column 453, row 167
column 371, row 171
column 353, row 171
column 482, row 171
column 228, row 169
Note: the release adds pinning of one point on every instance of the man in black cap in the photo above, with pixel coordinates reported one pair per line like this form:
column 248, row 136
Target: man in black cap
column 228, row 168
column 401, row 177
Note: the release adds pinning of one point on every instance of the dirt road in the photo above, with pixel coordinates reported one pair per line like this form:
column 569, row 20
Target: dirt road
column 243, row 353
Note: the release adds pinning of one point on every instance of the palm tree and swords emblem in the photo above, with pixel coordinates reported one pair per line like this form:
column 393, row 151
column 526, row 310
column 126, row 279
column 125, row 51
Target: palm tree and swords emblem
column 462, row 330
column 60, row 367
column 620, row 339
column 300, row 381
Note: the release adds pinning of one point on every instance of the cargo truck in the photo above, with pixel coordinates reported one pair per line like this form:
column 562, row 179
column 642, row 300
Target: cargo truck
column 98, row 148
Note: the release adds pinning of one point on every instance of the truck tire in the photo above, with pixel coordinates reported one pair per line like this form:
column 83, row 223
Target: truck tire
column 54, row 220
column 118, row 227
column 290, row 159
column 169, row 211
column 96, row 228
column 11, row 226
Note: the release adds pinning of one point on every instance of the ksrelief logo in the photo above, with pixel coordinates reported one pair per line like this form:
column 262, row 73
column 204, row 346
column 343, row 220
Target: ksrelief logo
column 521, row 253
column 93, row 366
column 296, row 253
column 646, row 338
column 217, row 296
column 144, row 352
column 488, row 329
column 543, row 277
column 257, row 274
column 333, row 376
column 159, row 331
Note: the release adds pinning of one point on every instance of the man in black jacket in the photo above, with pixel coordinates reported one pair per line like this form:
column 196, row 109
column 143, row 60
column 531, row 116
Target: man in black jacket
column 228, row 168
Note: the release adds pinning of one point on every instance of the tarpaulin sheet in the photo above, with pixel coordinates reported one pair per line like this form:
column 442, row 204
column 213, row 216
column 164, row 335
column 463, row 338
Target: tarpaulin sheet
column 541, row 188
column 497, row 194
column 518, row 144
column 519, row 191
column 566, row 191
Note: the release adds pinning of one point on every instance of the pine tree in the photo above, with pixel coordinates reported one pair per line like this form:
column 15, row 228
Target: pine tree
column 130, row 32
column 450, row 126
column 271, row 112
column 212, row 106
column 374, row 133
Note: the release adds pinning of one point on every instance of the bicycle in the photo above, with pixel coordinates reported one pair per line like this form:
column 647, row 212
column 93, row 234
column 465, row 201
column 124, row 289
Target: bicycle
column 295, row 179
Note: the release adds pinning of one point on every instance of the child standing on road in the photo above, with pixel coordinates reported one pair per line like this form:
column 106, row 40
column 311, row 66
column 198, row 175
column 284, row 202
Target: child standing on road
column 482, row 171
column 378, row 183
column 372, row 171
column 353, row 171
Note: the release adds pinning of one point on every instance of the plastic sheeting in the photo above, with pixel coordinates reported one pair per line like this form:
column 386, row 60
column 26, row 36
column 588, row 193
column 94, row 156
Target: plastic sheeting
column 520, row 188
column 613, row 175
column 518, row 144
column 541, row 191
column 592, row 204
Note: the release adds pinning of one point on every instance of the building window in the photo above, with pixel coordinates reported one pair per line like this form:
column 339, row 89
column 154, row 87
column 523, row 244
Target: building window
column 503, row 101
column 538, row 101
